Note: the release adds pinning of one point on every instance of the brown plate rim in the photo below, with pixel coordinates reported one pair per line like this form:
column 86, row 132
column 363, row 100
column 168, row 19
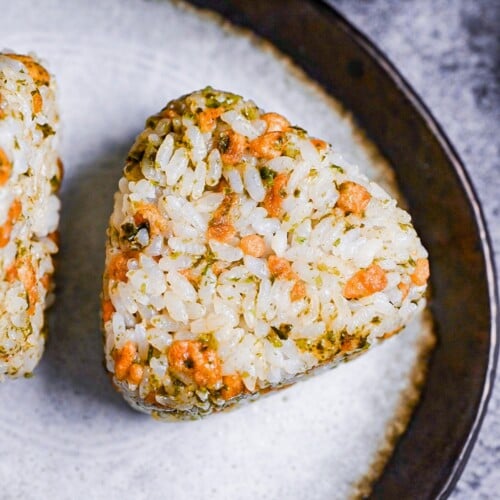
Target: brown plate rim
column 447, row 484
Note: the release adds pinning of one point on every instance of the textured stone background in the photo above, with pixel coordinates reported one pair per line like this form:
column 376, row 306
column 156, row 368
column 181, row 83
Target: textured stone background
column 449, row 51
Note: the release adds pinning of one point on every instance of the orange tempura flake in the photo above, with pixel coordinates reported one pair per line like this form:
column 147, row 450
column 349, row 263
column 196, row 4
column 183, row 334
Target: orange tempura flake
column 124, row 359
column 232, row 146
column 15, row 210
column 298, row 291
column 107, row 310
column 135, row 373
column 233, row 386
column 5, row 168
column 11, row 273
column 45, row 280
column 55, row 237
column 5, row 231
column 27, row 275
column 275, row 122
column 275, row 195
column 421, row 273
column 39, row 74
column 349, row 344
column 365, row 282
column 36, row 102
column 221, row 232
column 390, row 334
column 219, row 267
column 207, row 118
column 146, row 213
column 12, row 216
column 269, row 145
column 319, row 144
column 193, row 360
column 353, row 198
column 253, row 245
column 221, row 226
column 404, row 288
column 222, row 186
column 118, row 265
column 151, row 398
column 280, row 268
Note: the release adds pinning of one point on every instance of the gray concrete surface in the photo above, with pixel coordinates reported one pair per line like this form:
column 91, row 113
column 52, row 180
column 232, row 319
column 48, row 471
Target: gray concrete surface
column 449, row 51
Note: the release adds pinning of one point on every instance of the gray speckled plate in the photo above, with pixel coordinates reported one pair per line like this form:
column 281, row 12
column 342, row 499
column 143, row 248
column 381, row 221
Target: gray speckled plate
column 65, row 432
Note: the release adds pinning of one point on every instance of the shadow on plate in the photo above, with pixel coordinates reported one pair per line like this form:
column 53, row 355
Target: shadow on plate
column 73, row 362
